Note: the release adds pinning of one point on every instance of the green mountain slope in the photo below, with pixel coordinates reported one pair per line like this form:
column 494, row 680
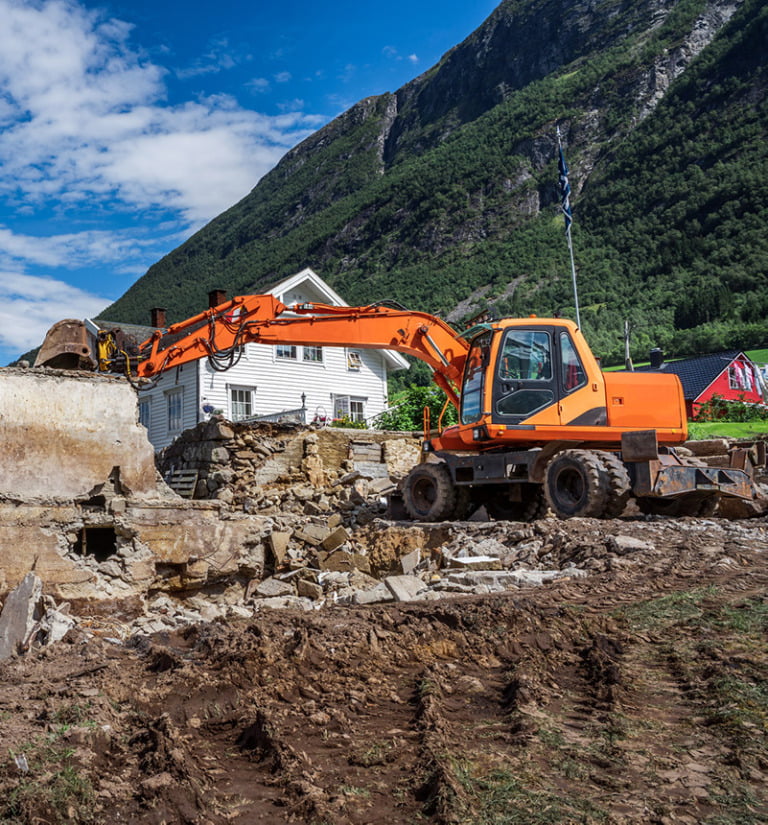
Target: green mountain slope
column 444, row 195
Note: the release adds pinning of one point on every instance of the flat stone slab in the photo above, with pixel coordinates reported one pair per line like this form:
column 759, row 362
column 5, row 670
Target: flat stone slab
column 20, row 614
column 405, row 588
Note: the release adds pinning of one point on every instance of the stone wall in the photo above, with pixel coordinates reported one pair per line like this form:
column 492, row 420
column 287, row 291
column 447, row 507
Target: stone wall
column 266, row 468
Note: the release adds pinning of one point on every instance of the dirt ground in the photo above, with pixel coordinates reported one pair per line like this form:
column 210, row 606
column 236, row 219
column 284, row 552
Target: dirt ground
column 638, row 694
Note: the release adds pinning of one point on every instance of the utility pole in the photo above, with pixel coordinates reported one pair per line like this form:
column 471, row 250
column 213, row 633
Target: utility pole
column 565, row 205
column 627, row 357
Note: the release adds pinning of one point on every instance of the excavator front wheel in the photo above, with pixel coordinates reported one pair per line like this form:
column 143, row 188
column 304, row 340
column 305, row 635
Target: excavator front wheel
column 429, row 493
column 576, row 484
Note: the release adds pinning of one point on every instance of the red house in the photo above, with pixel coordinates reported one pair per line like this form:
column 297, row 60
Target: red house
column 730, row 375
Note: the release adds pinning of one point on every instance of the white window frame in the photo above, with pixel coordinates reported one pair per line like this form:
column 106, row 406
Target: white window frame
column 354, row 360
column 349, row 406
column 145, row 412
column 238, row 388
column 175, row 418
column 312, row 355
column 286, row 352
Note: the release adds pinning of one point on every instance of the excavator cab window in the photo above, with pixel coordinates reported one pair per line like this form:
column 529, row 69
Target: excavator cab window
column 571, row 367
column 474, row 378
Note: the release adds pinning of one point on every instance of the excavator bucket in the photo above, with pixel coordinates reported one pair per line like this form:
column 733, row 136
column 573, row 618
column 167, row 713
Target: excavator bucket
column 66, row 347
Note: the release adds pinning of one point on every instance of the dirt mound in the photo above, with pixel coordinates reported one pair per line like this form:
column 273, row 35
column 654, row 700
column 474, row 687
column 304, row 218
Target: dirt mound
column 634, row 695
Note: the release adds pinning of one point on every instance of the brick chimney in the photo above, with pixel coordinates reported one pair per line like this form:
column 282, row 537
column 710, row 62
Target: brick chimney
column 157, row 315
column 216, row 297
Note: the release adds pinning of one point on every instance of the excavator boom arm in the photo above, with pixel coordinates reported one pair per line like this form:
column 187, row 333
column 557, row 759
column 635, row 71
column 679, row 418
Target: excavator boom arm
column 262, row 319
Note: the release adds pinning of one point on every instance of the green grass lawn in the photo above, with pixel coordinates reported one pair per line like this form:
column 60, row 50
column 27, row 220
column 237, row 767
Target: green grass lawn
column 758, row 356
column 726, row 429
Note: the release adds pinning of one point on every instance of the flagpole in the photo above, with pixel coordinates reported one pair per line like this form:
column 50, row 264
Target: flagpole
column 565, row 189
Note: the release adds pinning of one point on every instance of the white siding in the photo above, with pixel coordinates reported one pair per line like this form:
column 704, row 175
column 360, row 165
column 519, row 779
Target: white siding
column 182, row 378
column 278, row 383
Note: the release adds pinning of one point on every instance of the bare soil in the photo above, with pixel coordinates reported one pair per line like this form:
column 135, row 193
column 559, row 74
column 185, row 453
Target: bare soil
column 638, row 694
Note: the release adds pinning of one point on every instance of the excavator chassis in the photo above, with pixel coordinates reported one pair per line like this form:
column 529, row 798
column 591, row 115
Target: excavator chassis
column 576, row 482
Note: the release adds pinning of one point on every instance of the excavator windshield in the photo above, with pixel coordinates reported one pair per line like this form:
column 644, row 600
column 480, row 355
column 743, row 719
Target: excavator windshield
column 474, row 378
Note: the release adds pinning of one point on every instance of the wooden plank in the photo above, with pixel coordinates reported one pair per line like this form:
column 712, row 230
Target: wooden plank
column 183, row 482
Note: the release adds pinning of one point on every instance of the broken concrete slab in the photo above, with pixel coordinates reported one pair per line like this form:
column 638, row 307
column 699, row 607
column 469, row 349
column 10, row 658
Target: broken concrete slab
column 20, row 614
column 410, row 561
column 278, row 544
column 476, row 562
column 272, row 587
column 380, row 593
column 405, row 588
column 624, row 545
column 311, row 533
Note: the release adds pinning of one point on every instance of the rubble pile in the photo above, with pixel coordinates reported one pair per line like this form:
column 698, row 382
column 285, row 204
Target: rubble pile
column 268, row 469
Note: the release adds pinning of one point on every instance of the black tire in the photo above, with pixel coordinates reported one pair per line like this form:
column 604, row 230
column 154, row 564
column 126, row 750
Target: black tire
column 532, row 505
column 576, row 484
column 429, row 493
column 619, row 485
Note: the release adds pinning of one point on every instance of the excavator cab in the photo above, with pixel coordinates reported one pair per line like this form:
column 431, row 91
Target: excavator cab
column 532, row 370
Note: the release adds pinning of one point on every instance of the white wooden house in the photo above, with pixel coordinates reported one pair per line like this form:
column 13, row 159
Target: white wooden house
column 313, row 383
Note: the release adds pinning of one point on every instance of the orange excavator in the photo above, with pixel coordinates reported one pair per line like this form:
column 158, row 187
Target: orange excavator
column 541, row 426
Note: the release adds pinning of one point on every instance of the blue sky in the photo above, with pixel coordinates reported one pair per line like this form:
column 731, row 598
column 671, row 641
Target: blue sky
column 126, row 125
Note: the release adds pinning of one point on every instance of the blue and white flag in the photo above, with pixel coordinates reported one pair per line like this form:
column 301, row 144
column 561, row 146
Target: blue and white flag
column 565, row 191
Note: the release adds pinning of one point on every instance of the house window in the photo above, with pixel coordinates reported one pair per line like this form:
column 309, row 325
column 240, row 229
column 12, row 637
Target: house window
column 313, row 354
column 241, row 402
column 144, row 407
column 285, row 351
column 349, row 406
column 175, row 404
column 354, row 361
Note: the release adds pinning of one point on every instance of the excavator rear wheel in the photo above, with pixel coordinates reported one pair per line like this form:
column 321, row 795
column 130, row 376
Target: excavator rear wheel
column 619, row 484
column 429, row 493
column 576, row 483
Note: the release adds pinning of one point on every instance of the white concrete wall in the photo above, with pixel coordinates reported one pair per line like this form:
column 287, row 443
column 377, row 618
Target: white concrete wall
column 61, row 434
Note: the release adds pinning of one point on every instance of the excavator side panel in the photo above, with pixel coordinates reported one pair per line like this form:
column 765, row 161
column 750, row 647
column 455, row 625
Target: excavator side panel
column 644, row 400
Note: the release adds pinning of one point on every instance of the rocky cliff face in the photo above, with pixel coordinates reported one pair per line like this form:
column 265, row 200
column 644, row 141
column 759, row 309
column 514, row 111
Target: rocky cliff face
column 431, row 194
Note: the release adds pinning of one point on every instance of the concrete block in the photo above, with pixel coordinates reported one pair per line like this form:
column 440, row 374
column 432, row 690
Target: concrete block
column 309, row 589
column 335, row 539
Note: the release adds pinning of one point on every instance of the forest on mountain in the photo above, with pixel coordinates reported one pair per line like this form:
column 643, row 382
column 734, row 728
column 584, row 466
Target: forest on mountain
column 444, row 195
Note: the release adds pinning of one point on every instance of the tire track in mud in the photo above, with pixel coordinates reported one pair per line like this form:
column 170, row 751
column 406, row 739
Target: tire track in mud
column 587, row 700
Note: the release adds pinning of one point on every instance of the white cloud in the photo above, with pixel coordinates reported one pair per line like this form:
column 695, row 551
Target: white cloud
column 29, row 306
column 283, row 77
column 84, row 115
column 69, row 250
column 258, row 84
column 414, row 58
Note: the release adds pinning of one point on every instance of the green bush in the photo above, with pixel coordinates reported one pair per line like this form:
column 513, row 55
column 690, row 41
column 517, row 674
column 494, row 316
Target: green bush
column 408, row 410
